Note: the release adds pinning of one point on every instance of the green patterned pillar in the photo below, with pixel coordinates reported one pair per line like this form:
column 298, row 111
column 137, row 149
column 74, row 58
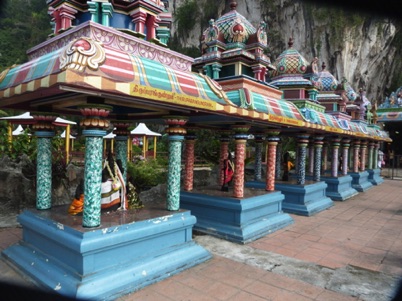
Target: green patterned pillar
column 122, row 138
column 44, row 130
column 370, row 162
column 95, row 125
column 176, row 136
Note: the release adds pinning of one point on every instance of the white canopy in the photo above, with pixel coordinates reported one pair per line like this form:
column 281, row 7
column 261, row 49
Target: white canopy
column 27, row 116
column 63, row 135
column 18, row 131
column 109, row 136
column 142, row 130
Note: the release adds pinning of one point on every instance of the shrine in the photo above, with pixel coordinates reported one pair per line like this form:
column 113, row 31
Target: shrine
column 108, row 62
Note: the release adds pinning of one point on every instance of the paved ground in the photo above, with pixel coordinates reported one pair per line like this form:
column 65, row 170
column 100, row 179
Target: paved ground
column 352, row 251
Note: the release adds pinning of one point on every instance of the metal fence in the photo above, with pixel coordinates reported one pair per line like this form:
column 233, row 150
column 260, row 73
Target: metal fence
column 394, row 169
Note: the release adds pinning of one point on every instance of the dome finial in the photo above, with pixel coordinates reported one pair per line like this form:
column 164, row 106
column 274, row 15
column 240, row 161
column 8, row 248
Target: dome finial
column 290, row 43
column 323, row 66
column 233, row 5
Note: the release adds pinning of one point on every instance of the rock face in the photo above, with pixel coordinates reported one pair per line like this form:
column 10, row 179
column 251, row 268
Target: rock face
column 18, row 181
column 362, row 48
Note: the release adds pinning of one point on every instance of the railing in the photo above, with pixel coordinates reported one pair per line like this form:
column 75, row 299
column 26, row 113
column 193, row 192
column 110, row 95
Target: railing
column 394, row 169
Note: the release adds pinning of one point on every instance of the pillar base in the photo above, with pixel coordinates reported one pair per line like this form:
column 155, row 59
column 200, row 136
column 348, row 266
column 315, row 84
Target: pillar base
column 339, row 188
column 375, row 176
column 360, row 181
column 306, row 200
column 238, row 220
column 121, row 256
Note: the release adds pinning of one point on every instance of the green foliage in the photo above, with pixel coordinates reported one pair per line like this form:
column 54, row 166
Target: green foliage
column 146, row 173
column 23, row 24
column 186, row 16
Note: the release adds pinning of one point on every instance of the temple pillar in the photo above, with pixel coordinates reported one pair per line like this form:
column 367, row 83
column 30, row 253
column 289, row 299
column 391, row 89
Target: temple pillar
column 259, row 72
column 223, row 155
column 375, row 155
column 258, row 157
column 151, row 24
column 325, row 156
column 216, row 68
column 278, row 161
column 240, row 155
column 107, row 13
column 302, row 142
column 311, row 156
column 273, row 140
column 95, row 124
column 363, row 150
column 122, row 139
column 139, row 19
column 44, row 130
column 176, row 136
column 345, row 156
column 370, row 163
column 189, row 161
column 335, row 156
column 356, row 152
column 318, row 142
column 66, row 15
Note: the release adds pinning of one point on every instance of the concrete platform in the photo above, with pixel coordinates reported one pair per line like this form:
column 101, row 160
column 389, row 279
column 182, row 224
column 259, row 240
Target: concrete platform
column 127, row 252
column 361, row 181
column 375, row 176
column 307, row 199
column 239, row 220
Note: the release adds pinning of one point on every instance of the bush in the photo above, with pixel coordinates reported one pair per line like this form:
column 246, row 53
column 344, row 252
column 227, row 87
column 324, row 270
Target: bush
column 145, row 174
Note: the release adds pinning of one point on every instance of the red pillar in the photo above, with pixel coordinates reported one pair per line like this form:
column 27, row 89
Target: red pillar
column 240, row 155
column 189, row 162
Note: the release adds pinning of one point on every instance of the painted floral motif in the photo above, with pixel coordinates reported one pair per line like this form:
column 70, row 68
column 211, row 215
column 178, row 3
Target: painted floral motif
column 103, row 36
column 93, row 180
column 317, row 162
column 44, row 174
column 126, row 45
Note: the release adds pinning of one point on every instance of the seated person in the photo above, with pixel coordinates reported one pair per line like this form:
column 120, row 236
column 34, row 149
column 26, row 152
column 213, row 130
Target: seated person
column 113, row 192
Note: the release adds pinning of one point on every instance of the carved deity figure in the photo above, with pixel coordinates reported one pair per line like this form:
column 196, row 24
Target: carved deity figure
column 262, row 33
column 210, row 34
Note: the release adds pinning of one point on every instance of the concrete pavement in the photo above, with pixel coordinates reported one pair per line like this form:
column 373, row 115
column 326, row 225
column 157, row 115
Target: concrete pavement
column 352, row 251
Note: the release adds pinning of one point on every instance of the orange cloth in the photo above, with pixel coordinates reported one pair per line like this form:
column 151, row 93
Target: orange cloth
column 77, row 206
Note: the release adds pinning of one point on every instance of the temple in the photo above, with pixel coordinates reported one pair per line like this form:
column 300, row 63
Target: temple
column 107, row 61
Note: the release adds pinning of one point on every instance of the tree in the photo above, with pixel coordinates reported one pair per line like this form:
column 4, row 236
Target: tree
column 23, row 24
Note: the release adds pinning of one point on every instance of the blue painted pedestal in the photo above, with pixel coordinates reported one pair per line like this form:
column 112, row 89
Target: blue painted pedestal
column 375, row 176
column 305, row 199
column 127, row 252
column 339, row 188
column 360, row 181
column 238, row 220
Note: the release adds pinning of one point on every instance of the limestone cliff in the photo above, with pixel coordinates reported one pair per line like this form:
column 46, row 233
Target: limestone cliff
column 361, row 47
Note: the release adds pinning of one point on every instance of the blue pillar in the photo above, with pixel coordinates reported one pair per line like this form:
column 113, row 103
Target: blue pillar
column 318, row 142
column 44, row 170
column 92, row 177
column 258, row 157
column 302, row 142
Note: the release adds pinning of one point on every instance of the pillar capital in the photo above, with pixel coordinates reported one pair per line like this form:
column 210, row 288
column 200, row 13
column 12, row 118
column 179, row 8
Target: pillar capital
column 121, row 127
column 176, row 125
column 241, row 131
column 43, row 122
